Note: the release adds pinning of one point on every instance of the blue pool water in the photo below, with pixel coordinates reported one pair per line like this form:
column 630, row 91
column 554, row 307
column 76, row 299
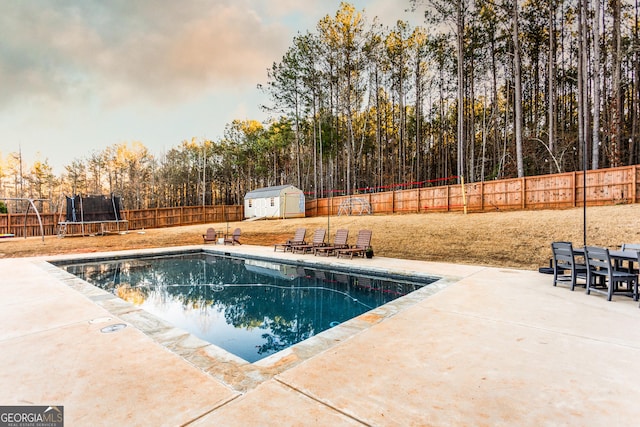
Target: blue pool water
column 251, row 308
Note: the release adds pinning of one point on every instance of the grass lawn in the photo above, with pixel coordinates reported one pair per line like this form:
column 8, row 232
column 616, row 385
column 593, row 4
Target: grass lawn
column 519, row 239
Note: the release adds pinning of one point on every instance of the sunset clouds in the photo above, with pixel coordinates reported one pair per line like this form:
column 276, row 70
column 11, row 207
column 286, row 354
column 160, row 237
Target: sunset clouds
column 103, row 71
column 161, row 50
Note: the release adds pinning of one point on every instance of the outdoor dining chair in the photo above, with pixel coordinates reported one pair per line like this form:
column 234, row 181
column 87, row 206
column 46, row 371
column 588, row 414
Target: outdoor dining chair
column 630, row 247
column 603, row 277
column 565, row 267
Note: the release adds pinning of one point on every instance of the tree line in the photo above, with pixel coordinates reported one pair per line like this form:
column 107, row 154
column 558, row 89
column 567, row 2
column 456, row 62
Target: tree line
column 482, row 89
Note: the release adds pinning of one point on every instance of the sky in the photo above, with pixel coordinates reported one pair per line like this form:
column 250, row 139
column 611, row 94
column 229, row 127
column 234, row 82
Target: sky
column 77, row 76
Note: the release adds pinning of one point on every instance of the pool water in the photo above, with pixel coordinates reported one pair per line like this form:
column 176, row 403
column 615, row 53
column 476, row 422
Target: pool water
column 251, row 308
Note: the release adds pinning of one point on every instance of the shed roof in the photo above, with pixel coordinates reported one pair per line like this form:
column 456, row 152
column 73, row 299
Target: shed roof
column 267, row 191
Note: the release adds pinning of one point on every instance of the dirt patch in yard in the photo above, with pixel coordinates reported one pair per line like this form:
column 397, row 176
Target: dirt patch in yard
column 519, row 239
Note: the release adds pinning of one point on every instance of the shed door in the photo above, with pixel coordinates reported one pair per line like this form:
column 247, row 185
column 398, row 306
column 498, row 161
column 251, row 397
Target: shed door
column 261, row 210
column 292, row 204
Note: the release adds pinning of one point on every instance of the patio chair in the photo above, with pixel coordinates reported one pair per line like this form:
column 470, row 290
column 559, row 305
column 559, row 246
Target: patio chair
column 565, row 267
column 637, row 296
column 339, row 242
column 317, row 241
column 233, row 238
column 630, row 247
column 210, row 236
column 297, row 239
column 603, row 277
column 362, row 243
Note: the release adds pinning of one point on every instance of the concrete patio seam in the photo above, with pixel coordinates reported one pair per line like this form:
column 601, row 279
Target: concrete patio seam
column 215, row 408
column 315, row 399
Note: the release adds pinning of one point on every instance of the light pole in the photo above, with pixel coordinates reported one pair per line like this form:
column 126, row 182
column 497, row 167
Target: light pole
column 584, row 194
column 329, row 207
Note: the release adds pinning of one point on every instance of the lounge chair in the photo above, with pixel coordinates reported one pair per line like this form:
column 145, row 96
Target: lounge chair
column 339, row 242
column 362, row 243
column 565, row 267
column 316, row 242
column 210, row 236
column 233, row 238
column 298, row 239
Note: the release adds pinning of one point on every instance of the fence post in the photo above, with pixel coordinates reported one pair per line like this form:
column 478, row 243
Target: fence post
column 464, row 196
column 574, row 196
column 393, row 201
column 634, row 183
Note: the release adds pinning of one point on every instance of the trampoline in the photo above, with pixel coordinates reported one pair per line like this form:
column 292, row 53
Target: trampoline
column 92, row 215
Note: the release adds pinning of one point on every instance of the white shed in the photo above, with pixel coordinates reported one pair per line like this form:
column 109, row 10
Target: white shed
column 281, row 201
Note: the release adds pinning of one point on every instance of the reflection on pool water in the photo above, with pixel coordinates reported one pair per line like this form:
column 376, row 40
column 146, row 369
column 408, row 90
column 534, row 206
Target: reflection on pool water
column 248, row 307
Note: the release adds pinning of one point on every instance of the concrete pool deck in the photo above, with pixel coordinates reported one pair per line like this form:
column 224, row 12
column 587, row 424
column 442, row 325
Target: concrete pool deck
column 492, row 346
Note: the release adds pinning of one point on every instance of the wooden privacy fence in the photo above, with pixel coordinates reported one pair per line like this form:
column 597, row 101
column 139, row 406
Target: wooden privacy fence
column 188, row 215
column 559, row 191
column 136, row 219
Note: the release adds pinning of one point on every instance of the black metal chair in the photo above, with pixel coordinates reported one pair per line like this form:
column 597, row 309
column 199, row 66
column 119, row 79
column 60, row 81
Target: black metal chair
column 603, row 277
column 565, row 267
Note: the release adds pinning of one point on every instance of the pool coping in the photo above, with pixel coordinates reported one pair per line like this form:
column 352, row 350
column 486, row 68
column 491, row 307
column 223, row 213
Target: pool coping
column 233, row 371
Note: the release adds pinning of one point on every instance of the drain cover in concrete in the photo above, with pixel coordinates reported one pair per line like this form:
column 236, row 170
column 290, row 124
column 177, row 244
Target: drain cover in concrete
column 113, row 328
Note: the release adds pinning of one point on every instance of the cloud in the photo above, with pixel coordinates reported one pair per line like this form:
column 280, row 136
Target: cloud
column 77, row 76
column 119, row 51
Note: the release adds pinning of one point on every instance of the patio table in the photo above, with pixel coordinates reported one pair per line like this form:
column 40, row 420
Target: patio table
column 615, row 254
column 620, row 256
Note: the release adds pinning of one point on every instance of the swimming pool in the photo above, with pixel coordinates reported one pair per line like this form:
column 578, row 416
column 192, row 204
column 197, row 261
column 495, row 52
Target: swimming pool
column 252, row 308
